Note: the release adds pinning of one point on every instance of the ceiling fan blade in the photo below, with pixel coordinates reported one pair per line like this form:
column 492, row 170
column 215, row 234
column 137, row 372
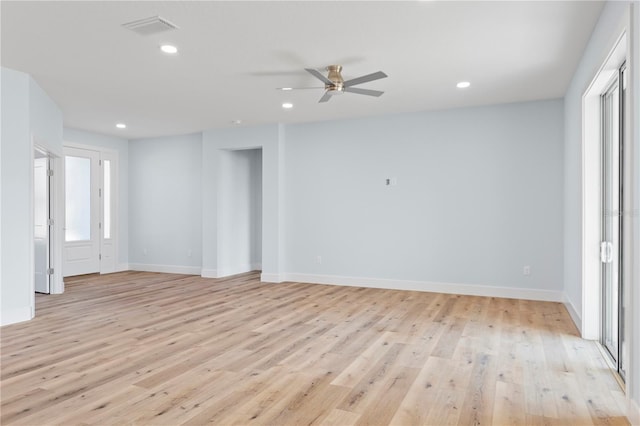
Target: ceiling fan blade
column 325, row 97
column 367, row 92
column 365, row 78
column 286, row 89
column 317, row 74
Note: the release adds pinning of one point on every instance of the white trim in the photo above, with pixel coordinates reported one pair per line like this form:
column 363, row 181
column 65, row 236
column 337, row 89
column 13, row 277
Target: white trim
column 57, row 198
column 32, row 263
column 168, row 269
column 235, row 270
column 573, row 313
column 633, row 310
column 215, row 273
column 12, row 316
column 209, row 273
column 591, row 187
column 428, row 286
column 86, row 147
column 271, row 278
column 59, row 289
column 633, row 412
column 121, row 267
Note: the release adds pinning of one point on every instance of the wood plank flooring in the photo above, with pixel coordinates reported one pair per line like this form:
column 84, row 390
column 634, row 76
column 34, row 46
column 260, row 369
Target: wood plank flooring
column 138, row 348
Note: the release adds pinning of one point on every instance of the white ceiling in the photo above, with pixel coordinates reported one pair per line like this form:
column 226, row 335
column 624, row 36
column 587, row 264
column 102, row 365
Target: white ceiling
column 234, row 54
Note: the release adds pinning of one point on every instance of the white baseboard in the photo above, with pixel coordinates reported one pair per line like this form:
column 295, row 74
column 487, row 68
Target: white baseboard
column 121, row 267
column 227, row 272
column 58, row 289
column 573, row 313
column 451, row 288
column 209, row 273
column 633, row 413
column 12, row 316
column 271, row 278
column 169, row 269
column 235, row 270
column 57, row 284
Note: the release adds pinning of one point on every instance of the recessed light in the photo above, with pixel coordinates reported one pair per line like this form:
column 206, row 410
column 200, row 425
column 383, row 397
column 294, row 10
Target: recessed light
column 287, row 105
column 286, row 88
column 168, row 48
column 121, row 126
column 463, row 85
column 236, row 122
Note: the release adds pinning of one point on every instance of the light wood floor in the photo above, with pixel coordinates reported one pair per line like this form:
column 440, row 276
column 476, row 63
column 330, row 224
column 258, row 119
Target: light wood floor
column 163, row 349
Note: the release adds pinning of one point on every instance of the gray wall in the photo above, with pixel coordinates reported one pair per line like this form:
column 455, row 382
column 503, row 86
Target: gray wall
column 45, row 120
column 27, row 112
column 478, row 196
column 15, row 174
column 165, row 215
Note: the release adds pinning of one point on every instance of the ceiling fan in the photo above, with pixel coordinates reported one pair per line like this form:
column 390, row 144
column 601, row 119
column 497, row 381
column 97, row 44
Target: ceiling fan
column 334, row 84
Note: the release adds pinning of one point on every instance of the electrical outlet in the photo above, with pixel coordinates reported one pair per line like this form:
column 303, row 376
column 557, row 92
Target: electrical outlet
column 144, row 252
column 526, row 270
column 189, row 253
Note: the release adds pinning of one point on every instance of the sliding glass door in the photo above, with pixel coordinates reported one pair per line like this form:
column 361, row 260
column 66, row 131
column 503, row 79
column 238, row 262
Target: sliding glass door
column 612, row 223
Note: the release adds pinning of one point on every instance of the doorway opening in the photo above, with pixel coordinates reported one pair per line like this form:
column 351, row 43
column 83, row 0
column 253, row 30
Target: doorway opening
column 606, row 258
column 240, row 212
column 42, row 221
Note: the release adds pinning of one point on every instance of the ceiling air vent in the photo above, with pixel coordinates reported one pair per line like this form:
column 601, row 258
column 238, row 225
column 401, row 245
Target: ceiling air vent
column 152, row 25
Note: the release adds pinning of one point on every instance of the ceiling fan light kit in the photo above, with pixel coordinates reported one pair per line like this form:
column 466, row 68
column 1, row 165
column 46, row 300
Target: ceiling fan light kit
column 334, row 84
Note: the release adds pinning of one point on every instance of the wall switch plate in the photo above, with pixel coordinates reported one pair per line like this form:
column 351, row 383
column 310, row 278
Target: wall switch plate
column 318, row 259
column 526, row 270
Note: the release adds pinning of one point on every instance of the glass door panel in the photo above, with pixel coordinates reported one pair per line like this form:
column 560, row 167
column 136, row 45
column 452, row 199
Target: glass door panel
column 610, row 248
column 77, row 198
column 106, row 199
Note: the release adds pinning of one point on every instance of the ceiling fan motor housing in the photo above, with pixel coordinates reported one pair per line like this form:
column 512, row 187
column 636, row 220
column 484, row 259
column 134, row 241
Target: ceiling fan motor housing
column 334, row 84
column 338, row 82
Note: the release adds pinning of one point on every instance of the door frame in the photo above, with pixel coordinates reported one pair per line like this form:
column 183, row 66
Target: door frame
column 616, row 84
column 44, row 155
column 591, row 325
column 227, row 267
column 110, row 154
column 56, row 204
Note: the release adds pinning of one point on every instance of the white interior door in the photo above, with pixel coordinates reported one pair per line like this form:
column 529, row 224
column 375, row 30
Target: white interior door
column 41, row 217
column 82, row 212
